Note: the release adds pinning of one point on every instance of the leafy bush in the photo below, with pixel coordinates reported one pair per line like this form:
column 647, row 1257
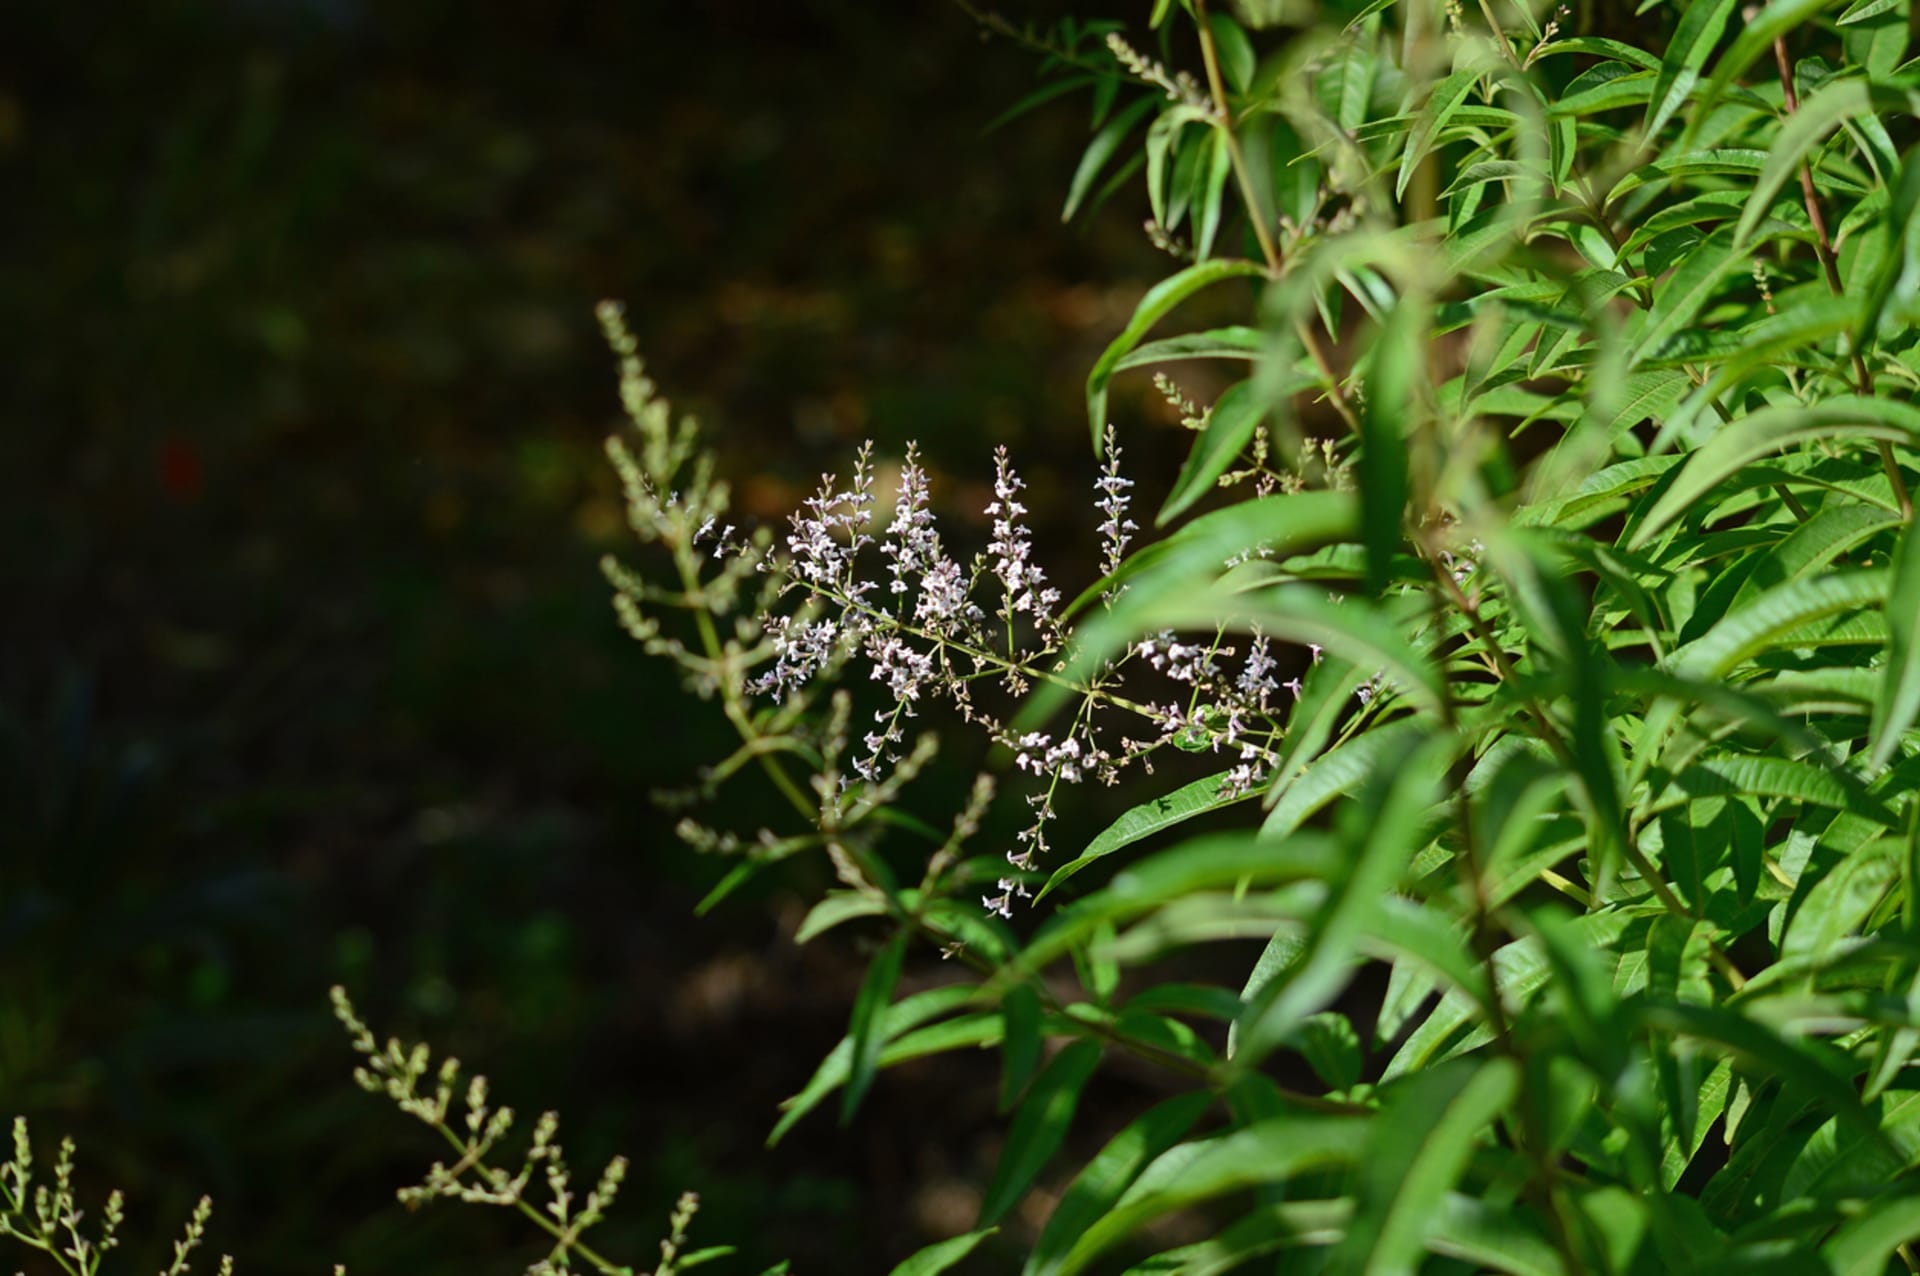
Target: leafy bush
column 1538, row 603
column 1573, row 670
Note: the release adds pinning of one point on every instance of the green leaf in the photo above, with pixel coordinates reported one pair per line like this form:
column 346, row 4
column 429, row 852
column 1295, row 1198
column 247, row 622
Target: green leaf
column 941, row 1255
column 1841, row 900
column 867, row 1032
column 1397, row 368
column 1607, row 87
column 1111, row 1171
column 1201, row 863
column 1230, row 426
column 1750, row 1040
column 1700, row 29
column 1782, row 610
column 1600, row 47
column 1044, row 94
column 1756, row 38
column 1039, row 1127
column 897, row 1028
column 1861, row 10
column 1383, row 832
column 1898, row 698
column 1145, row 820
column 1269, row 1151
column 699, row 1257
column 1868, row 1242
column 1680, row 298
column 1772, row 429
column 1020, row 1053
column 1275, row 527
column 1440, row 106
column 1164, row 134
column 1494, row 171
column 1337, row 772
column 1332, row 1049
column 838, row 907
column 1212, row 200
column 1100, row 150
column 1900, row 273
column 1216, row 343
column 1155, row 306
column 1235, row 50
column 1825, row 110
column 1420, row 1146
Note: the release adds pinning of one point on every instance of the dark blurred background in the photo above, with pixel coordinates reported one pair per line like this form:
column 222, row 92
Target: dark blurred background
column 307, row 673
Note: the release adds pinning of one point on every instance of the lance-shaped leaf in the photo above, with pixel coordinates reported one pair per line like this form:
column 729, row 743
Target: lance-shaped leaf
column 1148, row 818
column 1039, row 1127
column 1755, row 38
column 1112, row 1170
column 1825, row 110
column 1700, row 29
column 1229, row 428
column 1898, row 699
column 867, row 1034
column 1155, row 306
column 1100, row 150
column 1420, row 1145
column 897, row 1024
column 1383, row 832
column 1770, row 430
column 941, row 1255
column 1783, row 610
column 1269, row 1151
column 1397, row 370
column 1432, row 121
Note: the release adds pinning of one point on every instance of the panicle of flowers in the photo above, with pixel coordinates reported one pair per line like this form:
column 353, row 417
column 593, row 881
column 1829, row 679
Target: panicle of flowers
column 1192, row 415
column 47, row 1216
column 1117, row 531
column 844, row 585
column 830, row 530
column 1178, row 86
column 912, row 544
column 1010, row 552
column 1256, row 681
column 407, row 1076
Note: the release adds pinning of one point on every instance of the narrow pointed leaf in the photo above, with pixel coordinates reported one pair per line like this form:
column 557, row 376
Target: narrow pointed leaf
column 1155, row 306
column 1039, row 1127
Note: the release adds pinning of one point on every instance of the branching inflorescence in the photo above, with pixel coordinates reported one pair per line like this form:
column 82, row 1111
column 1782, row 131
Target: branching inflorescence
column 849, row 584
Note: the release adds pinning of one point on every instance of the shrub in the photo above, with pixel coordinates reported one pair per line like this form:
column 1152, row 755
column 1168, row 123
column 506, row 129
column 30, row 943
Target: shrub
column 1540, row 601
column 1559, row 617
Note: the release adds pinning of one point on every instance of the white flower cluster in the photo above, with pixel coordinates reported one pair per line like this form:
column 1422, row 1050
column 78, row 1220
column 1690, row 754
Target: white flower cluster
column 1010, row 552
column 897, row 601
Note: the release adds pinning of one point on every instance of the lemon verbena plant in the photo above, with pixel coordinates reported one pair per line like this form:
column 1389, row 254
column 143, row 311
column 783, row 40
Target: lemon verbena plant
column 1540, row 591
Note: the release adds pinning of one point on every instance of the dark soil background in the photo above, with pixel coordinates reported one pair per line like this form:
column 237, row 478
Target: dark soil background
column 307, row 673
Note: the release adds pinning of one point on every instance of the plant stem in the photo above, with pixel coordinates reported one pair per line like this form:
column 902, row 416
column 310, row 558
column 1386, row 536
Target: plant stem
column 1269, row 250
column 1823, row 249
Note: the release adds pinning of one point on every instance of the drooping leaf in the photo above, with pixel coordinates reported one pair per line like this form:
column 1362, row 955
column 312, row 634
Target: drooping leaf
column 1155, row 306
column 1269, row 1151
column 1420, row 1146
column 1039, row 1127
column 1146, row 819
column 1100, row 150
column 1770, row 430
column 1111, row 1171
column 942, row 1255
column 867, row 1034
column 1897, row 700
column 1700, row 29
